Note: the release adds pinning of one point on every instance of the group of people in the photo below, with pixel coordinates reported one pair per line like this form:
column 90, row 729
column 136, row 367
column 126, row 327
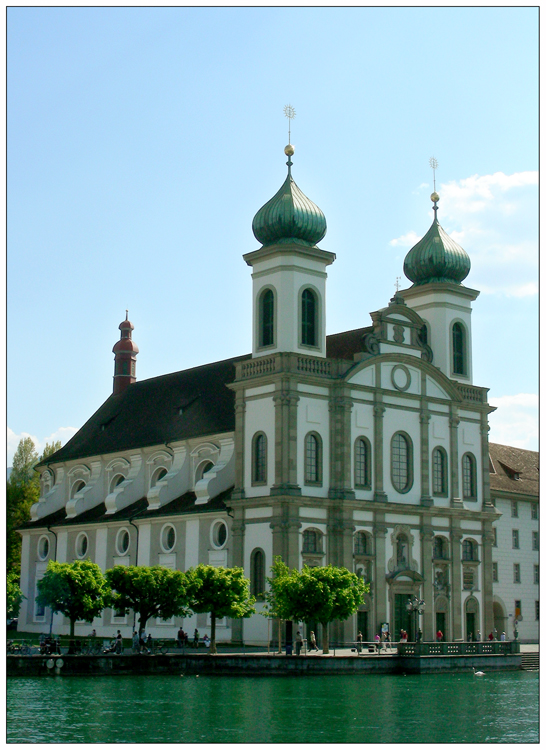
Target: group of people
column 141, row 643
column 116, row 644
column 183, row 639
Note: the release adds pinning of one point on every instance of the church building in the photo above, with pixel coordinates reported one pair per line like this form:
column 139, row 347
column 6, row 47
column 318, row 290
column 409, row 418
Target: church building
column 366, row 449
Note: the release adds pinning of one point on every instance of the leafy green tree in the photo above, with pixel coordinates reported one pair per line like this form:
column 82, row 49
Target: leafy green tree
column 324, row 594
column 223, row 592
column 23, row 490
column 276, row 598
column 14, row 596
column 79, row 590
column 149, row 591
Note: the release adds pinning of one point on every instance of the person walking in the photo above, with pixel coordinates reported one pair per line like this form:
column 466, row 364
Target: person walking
column 359, row 640
column 313, row 642
column 299, row 643
column 439, row 635
column 180, row 637
column 119, row 643
column 196, row 638
column 136, row 646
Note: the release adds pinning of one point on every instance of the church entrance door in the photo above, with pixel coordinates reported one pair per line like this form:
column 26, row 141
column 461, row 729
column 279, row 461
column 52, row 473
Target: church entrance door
column 402, row 618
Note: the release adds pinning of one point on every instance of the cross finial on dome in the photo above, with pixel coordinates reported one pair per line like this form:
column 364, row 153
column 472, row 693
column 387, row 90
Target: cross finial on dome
column 289, row 112
column 434, row 197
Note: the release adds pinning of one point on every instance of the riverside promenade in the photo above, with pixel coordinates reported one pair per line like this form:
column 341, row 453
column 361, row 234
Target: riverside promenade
column 411, row 658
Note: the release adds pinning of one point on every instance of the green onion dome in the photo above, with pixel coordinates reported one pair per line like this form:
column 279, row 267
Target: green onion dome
column 289, row 216
column 436, row 257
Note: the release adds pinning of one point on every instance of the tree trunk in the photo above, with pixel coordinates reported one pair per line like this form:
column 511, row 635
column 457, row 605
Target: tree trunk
column 72, row 626
column 212, row 649
column 325, row 649
column 280, row 636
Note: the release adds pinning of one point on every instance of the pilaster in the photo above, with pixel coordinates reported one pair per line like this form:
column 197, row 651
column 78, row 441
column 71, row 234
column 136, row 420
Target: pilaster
column 456, row 587
column 427, row 540
column 238, row 537
column 487, row 577
column 424, row 419
column 379, row 583
column 487, row 505
column 286, row 436
column 239, row 437
column 378, row 413
column 454, row 421
column 340, row 407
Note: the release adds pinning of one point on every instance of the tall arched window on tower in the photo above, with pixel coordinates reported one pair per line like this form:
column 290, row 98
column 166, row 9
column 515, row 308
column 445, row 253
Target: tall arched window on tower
column 362, row 463
column 259, row 459
column 257, row 573
column 313, row 459
column 458, row 339
column 308, row 318
column 439, row 472
column 469, row 477
column 401, row 462
column 267, row 318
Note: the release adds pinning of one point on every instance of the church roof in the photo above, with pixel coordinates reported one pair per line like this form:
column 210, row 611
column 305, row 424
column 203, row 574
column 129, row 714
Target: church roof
column 159, row 410
column 138, row 510
column 513, row 470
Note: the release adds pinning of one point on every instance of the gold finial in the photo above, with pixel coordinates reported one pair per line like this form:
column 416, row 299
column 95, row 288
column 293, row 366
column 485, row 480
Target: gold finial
column 434, row 196
column 289, row 112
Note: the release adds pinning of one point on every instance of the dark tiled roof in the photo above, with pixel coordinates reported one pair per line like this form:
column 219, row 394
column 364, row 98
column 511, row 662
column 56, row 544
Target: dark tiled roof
column 97, row 515
column 509, row 463
column 345, row 345
column 172, row 407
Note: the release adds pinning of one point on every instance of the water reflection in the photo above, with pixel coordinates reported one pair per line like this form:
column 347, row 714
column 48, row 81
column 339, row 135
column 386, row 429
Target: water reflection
column 372, row 708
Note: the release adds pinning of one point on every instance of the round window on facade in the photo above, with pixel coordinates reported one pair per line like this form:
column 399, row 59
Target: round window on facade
column 123, row 541
column 43, row 547
column 168, row 538
column 82, row 545
column 219, row 534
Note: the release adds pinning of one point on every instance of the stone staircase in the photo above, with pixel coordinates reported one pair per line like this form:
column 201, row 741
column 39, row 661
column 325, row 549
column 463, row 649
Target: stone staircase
column 530, row 661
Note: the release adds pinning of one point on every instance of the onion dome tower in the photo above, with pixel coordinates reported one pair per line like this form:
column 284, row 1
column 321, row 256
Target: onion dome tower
column 125, row 351
column 436, row 257
column 437, row 265
column 289, row 217
column 289, row 276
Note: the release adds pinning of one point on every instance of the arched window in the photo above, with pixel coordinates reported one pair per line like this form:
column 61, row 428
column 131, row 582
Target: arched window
column 469, row 477
column 362, row 463
column 458, row 337
column 439, row 472
column 312, row 541
column 267, row 318
column 401, row 462
column 259, row 459
column 470, row 550
column 313, row 459
column 158, row 476
column 257, row 573
column 402, row 551
column 308, row 318
column 362, row 543
column 440, row 548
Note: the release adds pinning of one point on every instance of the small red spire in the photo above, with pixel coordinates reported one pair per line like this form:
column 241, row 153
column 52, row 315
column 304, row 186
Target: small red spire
column 125, row 351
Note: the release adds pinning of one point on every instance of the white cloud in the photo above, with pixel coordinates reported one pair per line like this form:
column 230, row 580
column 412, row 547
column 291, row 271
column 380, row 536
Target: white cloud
column 495, row 219
column 406, row 240
column 516, row 420
column 63, row 434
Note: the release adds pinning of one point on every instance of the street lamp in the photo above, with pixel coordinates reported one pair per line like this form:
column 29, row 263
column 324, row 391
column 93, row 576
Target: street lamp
column 416, row 607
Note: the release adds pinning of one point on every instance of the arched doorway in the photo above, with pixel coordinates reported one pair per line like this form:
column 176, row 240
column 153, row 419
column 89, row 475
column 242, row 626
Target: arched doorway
column 472, row 618
column 441, row 622
column 499, row 617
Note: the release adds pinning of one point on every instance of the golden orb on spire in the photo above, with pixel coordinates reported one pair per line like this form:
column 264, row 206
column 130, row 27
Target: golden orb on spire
column 289, row 150
column 435, row 197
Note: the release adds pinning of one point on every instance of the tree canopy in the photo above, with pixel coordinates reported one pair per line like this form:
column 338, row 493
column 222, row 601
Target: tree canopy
column 14, row 596
column 153, row 591
column 223, row 592
column 23, row 490
column 323, row 594
column 78, row 590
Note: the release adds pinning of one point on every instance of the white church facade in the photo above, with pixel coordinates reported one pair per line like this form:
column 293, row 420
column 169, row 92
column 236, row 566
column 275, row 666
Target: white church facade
column 367, row 449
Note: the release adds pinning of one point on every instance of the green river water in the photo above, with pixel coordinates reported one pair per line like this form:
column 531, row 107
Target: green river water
column 499, row 707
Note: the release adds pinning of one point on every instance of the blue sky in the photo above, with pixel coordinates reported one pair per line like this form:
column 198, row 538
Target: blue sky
column 142, row 141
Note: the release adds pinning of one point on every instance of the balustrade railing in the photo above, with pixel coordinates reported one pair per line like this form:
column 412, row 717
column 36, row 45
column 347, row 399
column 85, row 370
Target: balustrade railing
column 458, row 648
column 472, row 393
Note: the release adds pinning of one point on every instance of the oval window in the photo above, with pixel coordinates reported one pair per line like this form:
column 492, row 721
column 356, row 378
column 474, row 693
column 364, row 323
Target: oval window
column 122, row 541
column 82, row 544
column 219, row 534
column 168, row 538
column 43, row 547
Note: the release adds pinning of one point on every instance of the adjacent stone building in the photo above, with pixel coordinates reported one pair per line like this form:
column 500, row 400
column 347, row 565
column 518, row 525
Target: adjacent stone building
column 367, row 448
